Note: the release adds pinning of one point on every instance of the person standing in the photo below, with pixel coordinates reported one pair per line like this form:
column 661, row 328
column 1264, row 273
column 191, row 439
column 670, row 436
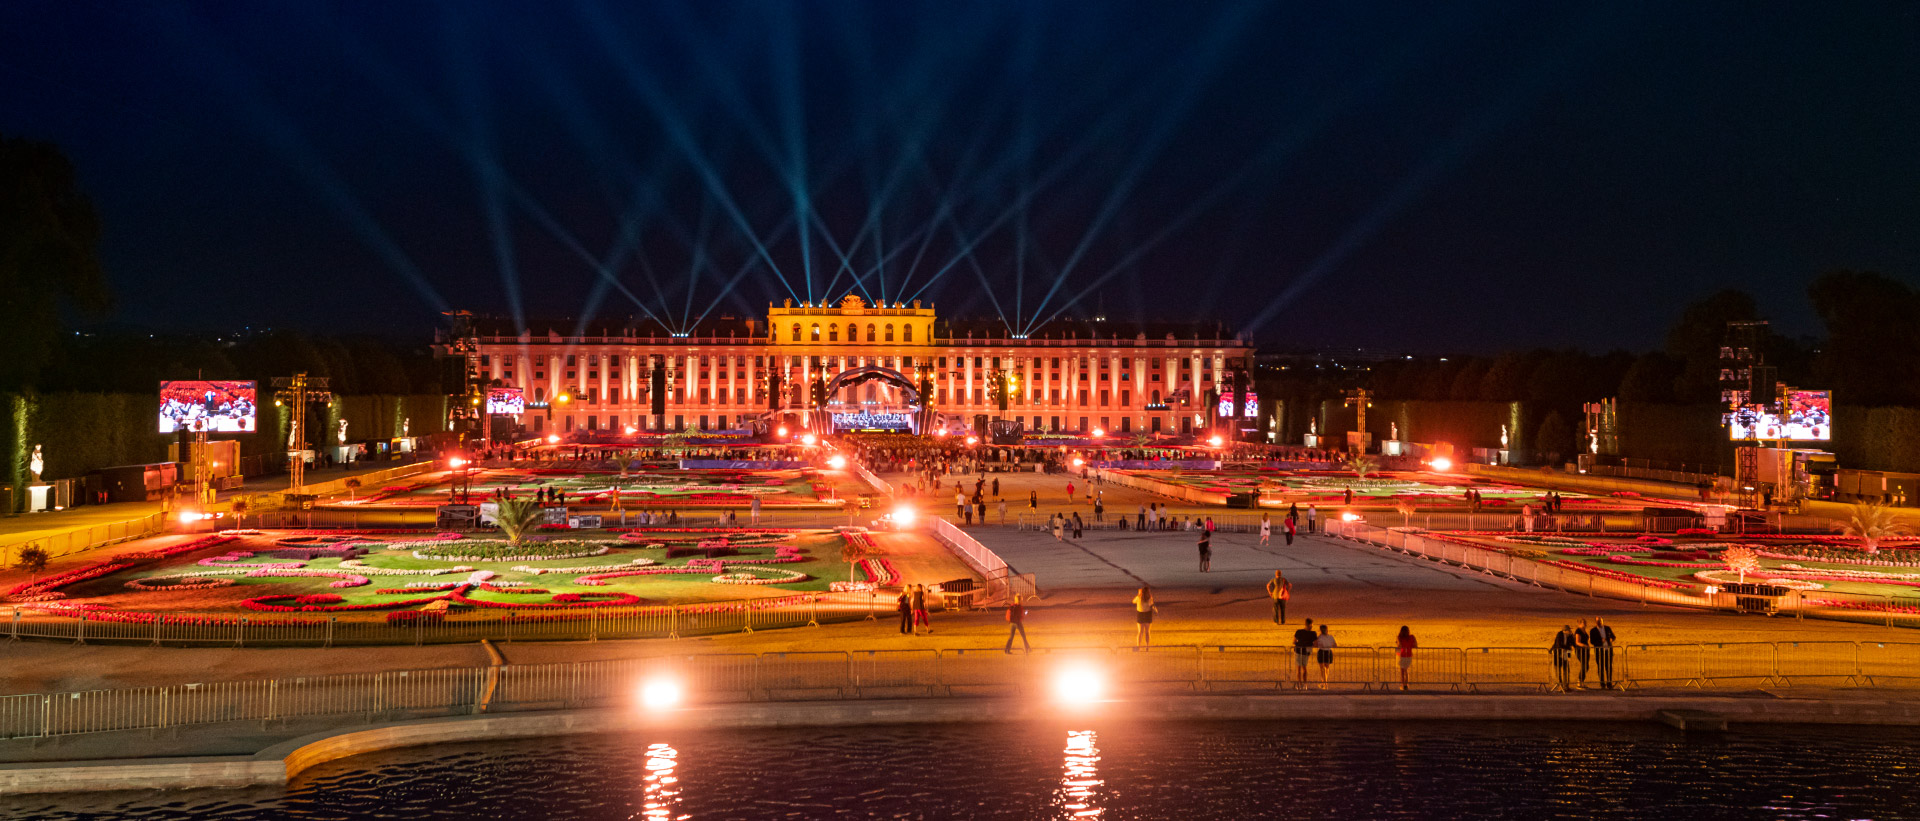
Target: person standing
column 904, row 606
column 1141, row 522
column 1078, row 525
column 996, row 487
column 755, row 505
column 920, row 609
column 1059, row 527
column 1099, row 511
column 1581, row 651
column 1561, row 649
column 1003, row 510
column 959, row 504
column 1033, row 500
column 1279, row 590
column 1143, row 612
column 1206, row 550
column 1302, row 652
column 980, row 504
column 1406, row 644
column 1313, row 514
column 1069, row 493
column 1289, row 524
column 1017, row 623
column 1266, row 528
column 1600, row 638
column 1323, row 645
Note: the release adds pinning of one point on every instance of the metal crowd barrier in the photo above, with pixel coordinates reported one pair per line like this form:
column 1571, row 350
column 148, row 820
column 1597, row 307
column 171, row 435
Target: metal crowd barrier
column 72, row 541
column 862, row 674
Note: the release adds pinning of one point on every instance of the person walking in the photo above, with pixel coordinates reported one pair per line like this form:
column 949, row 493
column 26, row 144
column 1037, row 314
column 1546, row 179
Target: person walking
column 1059, row 527
column 1266, row 528
column 1143, row 612
column 1289, row 525
column 1099, row 511
column 1406, row 644
column 1279, row 590
column 959, row 504
column 1600, row 638
column 1206, row 550
column 1581, row 651
column 1070, row 493
column 1323, row 645
column 1017, row 623
column 920, row 609
column 1302, row 652
column 1078, row 525
column 1562, row 649
column 904, row 606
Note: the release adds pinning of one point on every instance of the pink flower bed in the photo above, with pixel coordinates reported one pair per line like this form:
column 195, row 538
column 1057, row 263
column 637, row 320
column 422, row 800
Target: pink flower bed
column 1615, row 574
column 343, row 579
column 44, row 588
column 1653, row 563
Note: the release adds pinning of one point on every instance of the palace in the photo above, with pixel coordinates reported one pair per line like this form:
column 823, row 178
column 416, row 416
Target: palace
column 852, row 365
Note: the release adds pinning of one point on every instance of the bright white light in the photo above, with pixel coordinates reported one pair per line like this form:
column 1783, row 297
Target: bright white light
column 940, row 432
column 660, row 694
column 553, row 439
column 808, row 440
column 1441, row 463
column 837, row 462
column 903, row 515
column 1077, row 461
column 782, row 432
column 188, row 517
column 973, row 440
column 1214, row 441
column 1097, row 433
column 1349, row 516
column 629, row 430
column 1079, row 685
column 456, row 462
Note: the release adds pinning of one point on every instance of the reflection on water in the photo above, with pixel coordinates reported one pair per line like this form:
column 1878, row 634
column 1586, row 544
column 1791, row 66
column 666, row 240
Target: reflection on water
column 1082, row 775
column 661, row 785
column 1113, row 770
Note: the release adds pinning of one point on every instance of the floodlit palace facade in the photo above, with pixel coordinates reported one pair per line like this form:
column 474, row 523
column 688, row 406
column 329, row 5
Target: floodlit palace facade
column 869, row 363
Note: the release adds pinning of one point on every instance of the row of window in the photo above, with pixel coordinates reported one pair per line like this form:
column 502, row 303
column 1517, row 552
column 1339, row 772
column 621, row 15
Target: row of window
column 613, row 360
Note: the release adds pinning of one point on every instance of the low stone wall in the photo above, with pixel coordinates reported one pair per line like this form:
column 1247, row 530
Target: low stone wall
column 277, row 764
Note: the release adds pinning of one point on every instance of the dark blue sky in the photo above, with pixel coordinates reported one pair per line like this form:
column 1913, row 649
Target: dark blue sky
column 1434, row 177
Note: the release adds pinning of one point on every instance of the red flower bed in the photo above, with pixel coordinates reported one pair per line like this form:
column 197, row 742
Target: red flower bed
column 564, row 600
column 1615, row 574
column 45, row 586
column 268, row 604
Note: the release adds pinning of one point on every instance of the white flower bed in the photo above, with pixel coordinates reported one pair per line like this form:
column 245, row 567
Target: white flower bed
column 585, row 552
column 593, row 568
column 749, row 576
column 1730, row 577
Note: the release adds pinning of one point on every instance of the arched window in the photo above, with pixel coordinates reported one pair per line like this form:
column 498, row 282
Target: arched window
column 870, row 334
column 816, row 333
column 1156, row 397
column 853, row 332
column 796, row 332
column 889, row 332
column 833, row 333
column 907, row 333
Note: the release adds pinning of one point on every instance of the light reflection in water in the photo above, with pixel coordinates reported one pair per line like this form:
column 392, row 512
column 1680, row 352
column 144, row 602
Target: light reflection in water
column 1076, row 793
column 662, row 786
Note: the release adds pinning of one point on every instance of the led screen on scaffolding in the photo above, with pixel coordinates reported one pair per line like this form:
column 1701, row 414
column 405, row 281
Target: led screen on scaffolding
column 214, row 406
column 1804, row 416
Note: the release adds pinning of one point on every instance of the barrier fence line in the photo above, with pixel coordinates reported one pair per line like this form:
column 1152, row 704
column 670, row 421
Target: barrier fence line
column 1002, row 582
column 68, row 542
column 741, row 677
column 868, row 476
column 1889, row 610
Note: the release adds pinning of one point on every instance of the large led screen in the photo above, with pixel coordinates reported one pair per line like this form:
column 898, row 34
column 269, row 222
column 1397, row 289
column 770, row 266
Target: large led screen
column 506, row 400
column 214, row 406
column 1804, row 416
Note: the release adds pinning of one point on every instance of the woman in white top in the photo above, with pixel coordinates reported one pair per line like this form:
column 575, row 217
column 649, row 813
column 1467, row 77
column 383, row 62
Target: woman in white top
column 1323, row 653
column 1266, row 527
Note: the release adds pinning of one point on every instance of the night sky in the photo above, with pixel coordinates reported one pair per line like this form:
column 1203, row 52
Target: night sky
column 1446, row 177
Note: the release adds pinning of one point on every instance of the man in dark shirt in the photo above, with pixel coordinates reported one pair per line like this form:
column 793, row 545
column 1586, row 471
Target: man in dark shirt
column 1303, row 651
column 1562, row 650
column 1600, row 638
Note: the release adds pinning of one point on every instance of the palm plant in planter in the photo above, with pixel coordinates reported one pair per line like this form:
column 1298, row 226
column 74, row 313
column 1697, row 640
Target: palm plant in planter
column 1872, row 524
column 1362, row 464
column 517, row 518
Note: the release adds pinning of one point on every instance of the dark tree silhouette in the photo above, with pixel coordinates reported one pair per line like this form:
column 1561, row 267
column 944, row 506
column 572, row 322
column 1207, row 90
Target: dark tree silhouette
column 48, row 234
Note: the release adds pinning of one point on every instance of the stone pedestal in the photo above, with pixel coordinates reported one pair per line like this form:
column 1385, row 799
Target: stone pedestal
column 39, row 498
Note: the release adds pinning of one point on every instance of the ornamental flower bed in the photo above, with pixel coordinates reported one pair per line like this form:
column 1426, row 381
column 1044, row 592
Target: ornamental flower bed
column 45, row 588
column 560, row 551
column 341, row 579
column 595, row 568
column 1617, row 575
column 178, row 582
column 746, row 576
column 1652, row 563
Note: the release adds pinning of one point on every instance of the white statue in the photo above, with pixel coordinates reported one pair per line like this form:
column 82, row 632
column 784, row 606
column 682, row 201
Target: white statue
column 1393, row 431
column 1503, row 437
column 1313, row 427
column 37, row 464
column 406, row 427
column 343, row 431
column 1593, row 441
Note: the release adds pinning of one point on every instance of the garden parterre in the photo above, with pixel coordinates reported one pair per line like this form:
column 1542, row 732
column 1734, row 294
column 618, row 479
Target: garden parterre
column 374, row 574
column 796, row 488
column 1426, row 490
column 1700, row 558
